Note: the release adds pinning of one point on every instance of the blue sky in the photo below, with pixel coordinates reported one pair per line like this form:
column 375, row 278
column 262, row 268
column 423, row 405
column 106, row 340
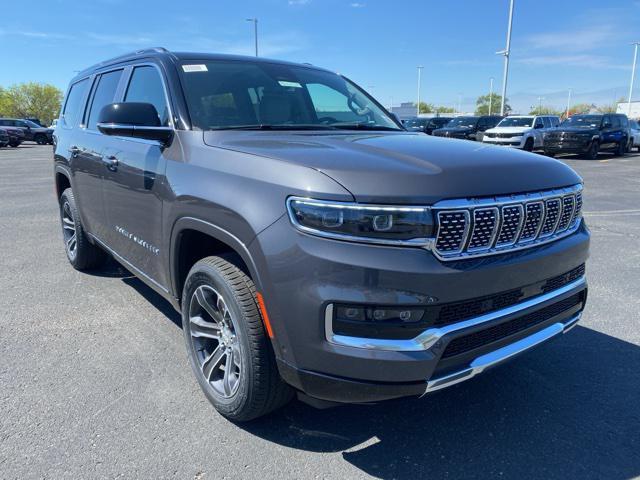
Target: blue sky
column 582, row 44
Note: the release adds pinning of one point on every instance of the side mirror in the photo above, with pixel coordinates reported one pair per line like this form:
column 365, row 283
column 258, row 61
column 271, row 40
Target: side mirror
column 133, row 119
column 538, row 126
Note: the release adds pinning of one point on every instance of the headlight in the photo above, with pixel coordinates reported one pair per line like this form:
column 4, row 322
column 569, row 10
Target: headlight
column 383, row 224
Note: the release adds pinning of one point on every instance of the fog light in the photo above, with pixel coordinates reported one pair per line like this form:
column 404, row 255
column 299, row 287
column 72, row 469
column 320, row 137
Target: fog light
column 371, row 321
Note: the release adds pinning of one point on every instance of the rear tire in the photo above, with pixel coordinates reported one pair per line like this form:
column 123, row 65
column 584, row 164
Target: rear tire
column 81, row 253
column 228, row 348
column 40, row 139
column 592, row 153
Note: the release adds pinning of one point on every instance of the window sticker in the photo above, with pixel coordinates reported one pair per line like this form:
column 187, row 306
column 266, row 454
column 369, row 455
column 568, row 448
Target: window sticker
column 194, row 68
column 284, row 83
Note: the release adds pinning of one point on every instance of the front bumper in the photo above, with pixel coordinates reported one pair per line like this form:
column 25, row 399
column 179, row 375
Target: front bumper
column 554, row 146
column 517, row 142
column 302, row 275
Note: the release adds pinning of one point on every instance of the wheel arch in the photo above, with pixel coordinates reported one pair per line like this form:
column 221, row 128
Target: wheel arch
column 62, row 180
column 189, row 232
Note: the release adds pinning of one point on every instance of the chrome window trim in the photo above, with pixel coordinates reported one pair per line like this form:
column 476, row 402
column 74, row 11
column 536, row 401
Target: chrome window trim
column 427, row 339
column 415, row 242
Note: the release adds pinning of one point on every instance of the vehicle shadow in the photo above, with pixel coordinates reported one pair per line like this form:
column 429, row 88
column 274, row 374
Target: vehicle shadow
column 568, row 409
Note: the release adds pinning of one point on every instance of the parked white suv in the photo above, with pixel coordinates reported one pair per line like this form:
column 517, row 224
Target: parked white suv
column 521, row 131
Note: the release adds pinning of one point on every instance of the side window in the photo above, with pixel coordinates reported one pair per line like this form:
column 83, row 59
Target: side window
column 547, row 122
column 624, row 121
column 555, row 121
column 539, row 123
column 146, row 86
column 71, row 111
column 20, row 123
column 103, row 95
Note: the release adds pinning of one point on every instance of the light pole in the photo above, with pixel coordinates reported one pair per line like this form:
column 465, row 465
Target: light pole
column 540, row 105
column 506, row 52
column 419, row 67
column 633, row 76
column 490, row 94
column 568, row 103
column 255, row 31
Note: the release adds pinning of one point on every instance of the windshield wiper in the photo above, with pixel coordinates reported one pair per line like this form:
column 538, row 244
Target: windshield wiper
column 267, row 126
column 364, row 126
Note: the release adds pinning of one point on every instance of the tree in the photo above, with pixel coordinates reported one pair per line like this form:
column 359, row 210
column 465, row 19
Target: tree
column 426, row 107
column 31, row 99
column 482, row 104
column 542, row 110
column 610, row 107
column 581, row 108
column 443, row 109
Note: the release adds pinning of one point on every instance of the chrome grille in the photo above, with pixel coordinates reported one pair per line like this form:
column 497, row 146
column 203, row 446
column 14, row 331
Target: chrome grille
column 484, row 228
column 476, row 227
column 452, row 230
column 552, row 214
column 568, row 203
column 512, row 216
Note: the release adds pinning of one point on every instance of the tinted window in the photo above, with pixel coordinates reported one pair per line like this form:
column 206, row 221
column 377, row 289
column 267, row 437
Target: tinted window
column 146, row 86
column 234, row 94
column 539, row 123
column 104, row 94
column 6, row 123
column 633, row 124
column 555, row 121
column 462, row 122
column 516, row 122
column 440, row 122
column 583, row 121
column 70, row 113
column 624, row 121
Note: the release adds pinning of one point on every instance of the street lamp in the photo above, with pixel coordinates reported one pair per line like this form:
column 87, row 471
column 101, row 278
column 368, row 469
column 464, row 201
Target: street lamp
column 419, row 67
column 568, row 103
column 255, row 31
column 506, row 52
column 633, row 76
column 540, row 104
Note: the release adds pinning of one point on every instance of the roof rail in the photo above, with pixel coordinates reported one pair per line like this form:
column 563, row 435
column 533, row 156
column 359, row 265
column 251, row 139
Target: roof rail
column 126, row 56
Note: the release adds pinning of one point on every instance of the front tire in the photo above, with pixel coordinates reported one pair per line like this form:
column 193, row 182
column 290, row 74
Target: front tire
column 227, row 345
column 528, row 145
column 82, row 254
column 592, row 153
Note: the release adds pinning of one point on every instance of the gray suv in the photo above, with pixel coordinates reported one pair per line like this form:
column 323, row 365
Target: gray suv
column 312, row 245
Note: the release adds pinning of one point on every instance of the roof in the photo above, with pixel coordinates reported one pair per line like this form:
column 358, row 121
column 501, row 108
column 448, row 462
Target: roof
column 161, row 52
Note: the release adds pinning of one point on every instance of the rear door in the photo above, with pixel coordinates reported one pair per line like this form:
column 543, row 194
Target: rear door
column 610, row 126
column 133, row 187
column 86, row 159
column 538, row 131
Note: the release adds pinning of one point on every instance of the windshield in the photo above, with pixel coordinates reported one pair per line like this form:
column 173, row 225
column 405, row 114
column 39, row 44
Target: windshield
column 516, row 122
column 463, row 122
column 416, row 122
column 32, row 124
column 583, row 121
column 228, row 94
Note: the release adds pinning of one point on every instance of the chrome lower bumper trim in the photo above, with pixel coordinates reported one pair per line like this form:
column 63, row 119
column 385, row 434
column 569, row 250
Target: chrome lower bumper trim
column 500, row 355
column 429, row 337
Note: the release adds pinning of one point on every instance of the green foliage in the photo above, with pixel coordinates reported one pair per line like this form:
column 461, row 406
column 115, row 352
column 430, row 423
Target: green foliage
column 581, row 108
column 610, row 107
column 542, row 110
column 431, row 108
column 482, row 104
column 31, row 99
column 443, row 109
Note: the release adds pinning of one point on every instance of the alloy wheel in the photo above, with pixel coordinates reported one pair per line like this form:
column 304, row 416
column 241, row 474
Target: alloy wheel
column 69, row 231
column 214, row 340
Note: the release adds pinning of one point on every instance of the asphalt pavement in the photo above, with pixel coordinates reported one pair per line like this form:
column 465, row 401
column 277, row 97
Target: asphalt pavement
column 94, row 379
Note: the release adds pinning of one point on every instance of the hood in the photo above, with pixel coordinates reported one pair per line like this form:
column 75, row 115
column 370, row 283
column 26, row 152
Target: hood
column 509, row 129
column 590, row 131
column 404, row 168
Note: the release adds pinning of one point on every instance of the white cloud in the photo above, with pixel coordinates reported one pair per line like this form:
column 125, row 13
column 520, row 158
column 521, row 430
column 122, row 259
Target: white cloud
column 580, row 40
column 299, row 2
column 357, row 5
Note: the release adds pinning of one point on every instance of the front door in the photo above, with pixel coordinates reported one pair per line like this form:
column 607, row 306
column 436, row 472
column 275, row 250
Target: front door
column 134, row 184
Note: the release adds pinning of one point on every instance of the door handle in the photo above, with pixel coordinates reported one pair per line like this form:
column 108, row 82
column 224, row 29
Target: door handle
column 74, row 151
column 111, row 162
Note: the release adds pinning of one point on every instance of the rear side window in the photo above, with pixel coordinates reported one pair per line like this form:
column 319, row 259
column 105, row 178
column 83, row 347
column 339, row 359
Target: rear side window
column 104, row 95
column 146, row 86
column 624, row 121
column 72, row 107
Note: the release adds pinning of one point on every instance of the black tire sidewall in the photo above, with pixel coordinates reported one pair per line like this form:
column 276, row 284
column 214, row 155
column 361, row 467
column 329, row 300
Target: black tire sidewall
column 203, row 274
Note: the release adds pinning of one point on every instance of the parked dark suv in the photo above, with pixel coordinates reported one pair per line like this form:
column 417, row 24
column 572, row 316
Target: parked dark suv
column 32, row 131
column 310, row 243
column 589, row 134
column 426, row 125
column 468, row 128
